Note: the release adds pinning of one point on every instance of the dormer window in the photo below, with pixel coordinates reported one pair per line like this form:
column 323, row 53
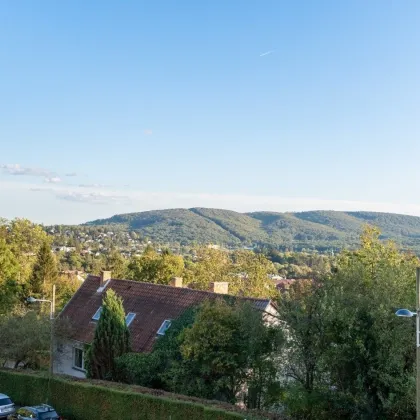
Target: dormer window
column 165, row 326
column 97, row 314
column 128, row 318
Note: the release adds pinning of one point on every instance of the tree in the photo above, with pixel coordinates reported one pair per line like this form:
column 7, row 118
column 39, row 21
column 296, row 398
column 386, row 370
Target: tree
column 44, row 272
column 154, row 268
column 111, row 340
column 117, row 264
column 9, row 266
column 252, row 275
column 352, row 357
column 210, row 265
column 25, row 338
column 25, row 239
column 227, row 349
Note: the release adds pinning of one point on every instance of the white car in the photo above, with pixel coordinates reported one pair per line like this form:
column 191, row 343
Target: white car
column 6, row 406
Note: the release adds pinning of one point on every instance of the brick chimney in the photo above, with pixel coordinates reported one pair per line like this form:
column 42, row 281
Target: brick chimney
column 105, row 276
column 176, row 282
column 221, row 287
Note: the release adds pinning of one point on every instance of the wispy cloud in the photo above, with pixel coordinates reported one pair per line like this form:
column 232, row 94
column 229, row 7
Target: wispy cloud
column 93, row 186
column 266, row 53
column 71, row 174
column 148, row 132
column 91, row 197
column 16, row 169
column 52, row 180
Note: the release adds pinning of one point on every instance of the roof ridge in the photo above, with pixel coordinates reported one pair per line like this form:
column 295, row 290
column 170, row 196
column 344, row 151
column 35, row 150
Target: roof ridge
column 187, row 289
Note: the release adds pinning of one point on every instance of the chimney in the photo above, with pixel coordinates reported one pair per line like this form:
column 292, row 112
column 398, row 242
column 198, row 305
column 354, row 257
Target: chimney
column 221, row 287
column 176, row 282
column 105, row 276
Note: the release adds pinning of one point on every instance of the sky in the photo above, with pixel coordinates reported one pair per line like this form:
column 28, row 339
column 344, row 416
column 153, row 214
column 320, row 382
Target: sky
column 111, row 107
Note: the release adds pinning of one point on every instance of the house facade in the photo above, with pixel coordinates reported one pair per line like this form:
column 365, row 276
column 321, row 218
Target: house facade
column 149, row 309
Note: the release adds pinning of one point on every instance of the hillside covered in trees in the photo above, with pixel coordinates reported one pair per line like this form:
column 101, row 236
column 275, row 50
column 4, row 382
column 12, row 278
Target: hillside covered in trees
column 320, row 230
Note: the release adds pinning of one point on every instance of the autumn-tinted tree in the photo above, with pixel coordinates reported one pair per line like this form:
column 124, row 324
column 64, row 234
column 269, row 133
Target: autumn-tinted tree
column 152, row 267
column 251, row 275
column 111, row 340
column 209, row 265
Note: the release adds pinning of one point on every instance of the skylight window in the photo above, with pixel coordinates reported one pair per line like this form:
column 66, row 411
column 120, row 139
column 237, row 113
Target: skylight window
column 165, row 326
column 97, row 314
column 130, row 316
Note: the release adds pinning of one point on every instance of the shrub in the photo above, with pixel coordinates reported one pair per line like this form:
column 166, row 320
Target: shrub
column 82, row 400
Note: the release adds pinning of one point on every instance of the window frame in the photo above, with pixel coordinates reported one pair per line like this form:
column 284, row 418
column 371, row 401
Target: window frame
column 128, row 322
column 75, row 350
column 97, row 314
column 162, row 330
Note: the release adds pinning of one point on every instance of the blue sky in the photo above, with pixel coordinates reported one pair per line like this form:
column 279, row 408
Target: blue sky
column 160, row 104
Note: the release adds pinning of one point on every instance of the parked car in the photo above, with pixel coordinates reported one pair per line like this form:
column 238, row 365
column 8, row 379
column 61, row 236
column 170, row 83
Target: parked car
column 6, row 406
column 38, row 412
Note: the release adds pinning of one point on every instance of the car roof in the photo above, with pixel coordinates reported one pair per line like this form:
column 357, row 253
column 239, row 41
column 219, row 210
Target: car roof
column 4, row 396
column 41, row 408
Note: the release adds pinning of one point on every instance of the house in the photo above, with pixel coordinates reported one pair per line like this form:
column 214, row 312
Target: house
column 149, row 310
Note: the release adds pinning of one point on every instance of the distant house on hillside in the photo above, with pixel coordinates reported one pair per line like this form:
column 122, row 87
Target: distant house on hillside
column 150, row 308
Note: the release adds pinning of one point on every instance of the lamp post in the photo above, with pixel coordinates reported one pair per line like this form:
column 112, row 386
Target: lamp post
column 408, row 314
column 52, row 311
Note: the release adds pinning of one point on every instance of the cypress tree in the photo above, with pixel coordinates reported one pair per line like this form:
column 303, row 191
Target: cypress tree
column 45, row 270
column 111, row 340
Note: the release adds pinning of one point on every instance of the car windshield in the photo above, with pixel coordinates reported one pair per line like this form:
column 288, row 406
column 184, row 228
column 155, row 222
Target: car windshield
column 49, row 415
column 5, row 401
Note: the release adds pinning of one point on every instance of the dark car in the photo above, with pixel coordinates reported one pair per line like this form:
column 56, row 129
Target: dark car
column 6, row 406
column 38, row 412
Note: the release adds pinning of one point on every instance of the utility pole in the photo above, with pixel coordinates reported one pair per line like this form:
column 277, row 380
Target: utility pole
column 52, row 314
column 418, row 343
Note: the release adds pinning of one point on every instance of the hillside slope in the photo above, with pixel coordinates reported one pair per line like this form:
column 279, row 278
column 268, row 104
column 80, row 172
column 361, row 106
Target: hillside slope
column 320, row 230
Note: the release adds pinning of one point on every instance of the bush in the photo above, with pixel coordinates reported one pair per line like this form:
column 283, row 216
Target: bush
column 80, row 400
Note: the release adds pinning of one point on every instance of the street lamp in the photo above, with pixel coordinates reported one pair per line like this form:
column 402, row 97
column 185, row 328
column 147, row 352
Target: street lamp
column 406, row 313
column 31, row 300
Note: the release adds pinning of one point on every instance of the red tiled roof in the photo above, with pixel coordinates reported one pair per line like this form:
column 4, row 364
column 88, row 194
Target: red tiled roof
column 152, row 304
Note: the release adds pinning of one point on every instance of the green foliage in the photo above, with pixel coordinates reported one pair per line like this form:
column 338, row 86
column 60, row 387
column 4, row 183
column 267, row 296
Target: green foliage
column 111, row 340
column 24, row 339
column 152, row 267
column 348, row 351
column 117, row 264
column 211, row 352
column 9, row 266
column 25, row 239
column 77, row 400
column 44, row 272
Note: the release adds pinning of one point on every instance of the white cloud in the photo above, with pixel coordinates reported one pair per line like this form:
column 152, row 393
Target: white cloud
column 71, row 174
column 93, row 186
column 16, row 169
column 52, row 180
column 57, row 203
column 91, row 197
column 266, row 53
column 148, row 132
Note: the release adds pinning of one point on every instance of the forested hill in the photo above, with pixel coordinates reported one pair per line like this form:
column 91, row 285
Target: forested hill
column 320, row 230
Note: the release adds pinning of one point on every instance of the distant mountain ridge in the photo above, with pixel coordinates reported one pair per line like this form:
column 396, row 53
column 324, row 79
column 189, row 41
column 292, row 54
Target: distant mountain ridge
column 320, row 230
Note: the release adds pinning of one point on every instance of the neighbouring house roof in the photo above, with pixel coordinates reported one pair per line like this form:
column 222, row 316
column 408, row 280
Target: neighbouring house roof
column 152, row 304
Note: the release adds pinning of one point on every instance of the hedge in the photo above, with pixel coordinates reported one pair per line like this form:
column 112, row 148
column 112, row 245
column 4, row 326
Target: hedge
column 77, row 400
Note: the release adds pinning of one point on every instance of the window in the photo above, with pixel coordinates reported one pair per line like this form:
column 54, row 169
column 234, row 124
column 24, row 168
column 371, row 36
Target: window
column 165, row 325
column 48, row 415
column 5, row 401
column 79, row 359
column 97, row 314
column 130, row 316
